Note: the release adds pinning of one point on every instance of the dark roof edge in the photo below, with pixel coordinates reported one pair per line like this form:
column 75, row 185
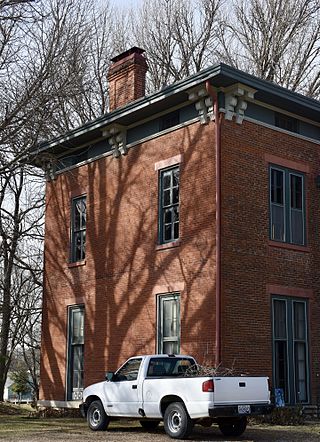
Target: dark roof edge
column 135, row 105
column 180, row 86
column 268, row 86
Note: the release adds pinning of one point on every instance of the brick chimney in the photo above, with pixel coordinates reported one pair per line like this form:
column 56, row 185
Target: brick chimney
column 127, row 78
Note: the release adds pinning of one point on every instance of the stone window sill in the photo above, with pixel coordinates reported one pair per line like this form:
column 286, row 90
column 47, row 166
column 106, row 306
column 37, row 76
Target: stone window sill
column 168, row 245
column 288, row 246
column 76, row 264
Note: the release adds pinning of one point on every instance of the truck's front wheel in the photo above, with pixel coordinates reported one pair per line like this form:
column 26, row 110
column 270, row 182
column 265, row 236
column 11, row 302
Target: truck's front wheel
column 177, row 422
column 96, row 417
column 232, row 426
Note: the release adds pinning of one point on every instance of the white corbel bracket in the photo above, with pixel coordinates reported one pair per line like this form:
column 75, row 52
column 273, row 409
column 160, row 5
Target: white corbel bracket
column 203, row 103
column 236, row 97
column 117, row 138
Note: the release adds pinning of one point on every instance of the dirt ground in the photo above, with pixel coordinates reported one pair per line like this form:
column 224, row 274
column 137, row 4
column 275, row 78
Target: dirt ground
column 52, row 430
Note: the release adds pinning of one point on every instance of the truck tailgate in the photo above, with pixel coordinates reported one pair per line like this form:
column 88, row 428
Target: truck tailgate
column 240, row 390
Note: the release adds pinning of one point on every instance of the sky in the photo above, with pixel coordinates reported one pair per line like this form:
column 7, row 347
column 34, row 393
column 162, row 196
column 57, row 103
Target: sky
column 124, row 3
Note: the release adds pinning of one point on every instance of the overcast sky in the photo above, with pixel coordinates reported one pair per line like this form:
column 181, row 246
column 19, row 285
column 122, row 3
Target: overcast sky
column 124, row 3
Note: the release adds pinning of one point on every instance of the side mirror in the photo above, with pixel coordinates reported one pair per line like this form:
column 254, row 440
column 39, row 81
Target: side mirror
column 109, row 376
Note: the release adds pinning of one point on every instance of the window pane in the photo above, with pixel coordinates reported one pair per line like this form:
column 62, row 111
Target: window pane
column 175, row 195
column 296, row 191
column 280, row 319
column 301, row 372
column 77, row 327
column 176, row 231
column 277, row 223
column 169, row 318
column 166, row 180
column 175, row 177
column 281, row 369
column 277, row 186
column 168, row 216
column 77, row 381
column 130, row 371
column 166, row 197
column 171, row 348
column 297, row 228
column 167, row 232
column 299, row 321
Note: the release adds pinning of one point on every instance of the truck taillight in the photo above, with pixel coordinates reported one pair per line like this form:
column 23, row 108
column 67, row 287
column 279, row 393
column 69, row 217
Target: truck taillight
column 208, row 386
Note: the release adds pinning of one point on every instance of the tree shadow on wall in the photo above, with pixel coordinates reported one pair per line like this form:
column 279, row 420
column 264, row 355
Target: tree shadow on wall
column 125, row 270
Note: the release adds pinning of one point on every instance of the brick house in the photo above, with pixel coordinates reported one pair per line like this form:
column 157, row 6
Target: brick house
column 184, row 222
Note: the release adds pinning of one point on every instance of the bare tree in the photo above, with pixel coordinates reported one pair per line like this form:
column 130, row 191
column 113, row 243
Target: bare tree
column 53, row 57
column 53, row 61
column 21, row 223
column 277, row 40
column 180, row 37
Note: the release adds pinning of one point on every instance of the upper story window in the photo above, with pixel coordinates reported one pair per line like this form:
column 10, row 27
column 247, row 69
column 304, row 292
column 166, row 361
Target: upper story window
column 78, row 229
column 285, row 122
column 170, row 120
column 169, row 205
column 287, row 206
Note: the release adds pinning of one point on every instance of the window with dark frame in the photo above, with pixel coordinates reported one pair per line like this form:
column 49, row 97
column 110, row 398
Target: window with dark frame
column 290, row 349
column 287, row 206
column 286, row 122
column 75, row 352
column 169, row 324
column 78, row 229
column 169, row 205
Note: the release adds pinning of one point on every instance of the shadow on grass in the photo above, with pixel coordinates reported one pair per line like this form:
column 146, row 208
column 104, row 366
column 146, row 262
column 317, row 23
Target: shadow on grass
column 13, row 427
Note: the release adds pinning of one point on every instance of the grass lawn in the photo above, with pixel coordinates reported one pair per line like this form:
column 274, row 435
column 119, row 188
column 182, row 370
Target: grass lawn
column 15, row 419
column 21, row 424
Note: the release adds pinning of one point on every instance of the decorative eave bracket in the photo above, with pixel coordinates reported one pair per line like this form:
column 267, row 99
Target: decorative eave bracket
column 47, row 163
column 117, row 138
column 236, row 97
column 203, row 103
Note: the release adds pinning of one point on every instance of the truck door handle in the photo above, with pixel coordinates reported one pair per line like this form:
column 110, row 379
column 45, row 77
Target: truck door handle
column 134, row 387
column 242, row 384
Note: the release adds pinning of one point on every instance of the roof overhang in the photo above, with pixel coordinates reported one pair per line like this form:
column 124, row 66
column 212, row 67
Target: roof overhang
column 220, row 76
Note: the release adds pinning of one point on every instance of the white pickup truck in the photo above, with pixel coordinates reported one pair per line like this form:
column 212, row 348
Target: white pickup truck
column 156, row 387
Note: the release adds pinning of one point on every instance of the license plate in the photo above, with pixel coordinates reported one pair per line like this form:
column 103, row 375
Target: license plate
column 244, row 409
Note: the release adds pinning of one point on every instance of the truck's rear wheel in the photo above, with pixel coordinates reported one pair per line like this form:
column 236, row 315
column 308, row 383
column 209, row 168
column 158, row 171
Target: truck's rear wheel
column 177, row 422
column 149, row 425
column 232, row 426
column 96, row 417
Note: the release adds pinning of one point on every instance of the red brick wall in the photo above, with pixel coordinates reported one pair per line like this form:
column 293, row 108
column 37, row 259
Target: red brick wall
column 124, row 271
column 250, row 262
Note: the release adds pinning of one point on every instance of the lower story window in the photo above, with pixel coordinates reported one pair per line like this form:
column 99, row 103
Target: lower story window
column 75, row 352
column 169, row 324
column 290, row 349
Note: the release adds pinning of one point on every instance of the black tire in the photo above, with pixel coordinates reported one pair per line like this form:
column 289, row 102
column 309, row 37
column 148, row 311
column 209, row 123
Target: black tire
column 233, row 427
column 96, row 417
column 177, row 422
column 149, row 425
